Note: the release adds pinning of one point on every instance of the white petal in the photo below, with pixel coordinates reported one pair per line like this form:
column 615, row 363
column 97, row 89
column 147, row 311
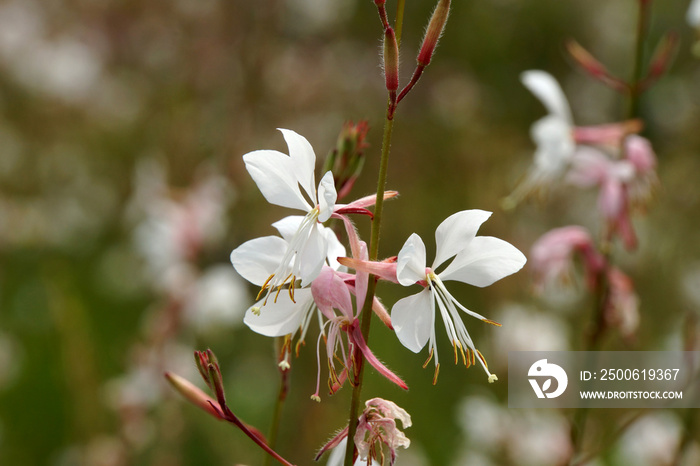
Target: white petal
column 413, row 321
column 548, row 90
column 484, row 261
column 274, row 174
column 313, row 256
column 257, row 259
column 288, row 226
column 555, row 145
column 693, row 15
column 276, row 319
column 326, row 196
column 303, row 161
column 455, row 233
column 410, row 264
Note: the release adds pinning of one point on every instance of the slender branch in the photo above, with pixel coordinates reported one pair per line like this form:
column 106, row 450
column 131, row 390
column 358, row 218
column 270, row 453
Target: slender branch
column 603, row 287
column 228, row 416
column 366, row 313
column 277, row 414
column 634, row 85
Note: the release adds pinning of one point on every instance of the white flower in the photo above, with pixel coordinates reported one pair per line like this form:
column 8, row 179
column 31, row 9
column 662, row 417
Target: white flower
column 288, row 181
column 478, row 260
column 257, row 259
column 553, row 134
column 693, row 14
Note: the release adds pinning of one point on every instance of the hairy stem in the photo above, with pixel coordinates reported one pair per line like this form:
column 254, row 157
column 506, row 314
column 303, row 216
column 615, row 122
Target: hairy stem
column 366, row 313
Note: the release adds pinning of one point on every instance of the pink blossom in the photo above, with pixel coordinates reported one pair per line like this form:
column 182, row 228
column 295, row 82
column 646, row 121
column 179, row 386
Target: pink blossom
column 376, row 429
column 551, row 257
column 623, row 183
column 557, row 139
column 332, row 295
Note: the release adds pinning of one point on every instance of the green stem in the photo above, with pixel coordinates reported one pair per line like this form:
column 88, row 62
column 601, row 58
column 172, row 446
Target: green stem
column 602, row 293
column 366, row 313
column 277, row 414
column 634, row 90
column 399, row 21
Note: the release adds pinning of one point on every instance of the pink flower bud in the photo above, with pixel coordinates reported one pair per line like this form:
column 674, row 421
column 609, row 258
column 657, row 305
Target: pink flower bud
column 433, row 32
column 193, row 394
column 391, row 60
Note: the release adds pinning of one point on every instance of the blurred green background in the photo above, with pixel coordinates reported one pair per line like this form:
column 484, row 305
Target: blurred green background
column 114, row 113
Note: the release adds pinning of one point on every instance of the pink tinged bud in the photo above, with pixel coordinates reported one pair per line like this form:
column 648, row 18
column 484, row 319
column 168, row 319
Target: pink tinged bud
column 433, row 32
column 193, row 394
column 593, row 67
column 663, row 55
column 391, row 60
column 585, row 60
column 217, row 383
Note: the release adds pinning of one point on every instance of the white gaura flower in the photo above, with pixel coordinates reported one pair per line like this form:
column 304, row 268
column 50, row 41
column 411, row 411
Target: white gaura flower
column 478, row 261
column 256, row 260
column 289, row 181
column 557, row 138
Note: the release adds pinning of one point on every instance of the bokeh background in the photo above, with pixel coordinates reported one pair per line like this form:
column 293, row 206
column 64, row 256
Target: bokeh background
column 122, row 193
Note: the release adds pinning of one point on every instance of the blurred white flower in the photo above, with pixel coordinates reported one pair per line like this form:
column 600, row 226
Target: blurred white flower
column 525, row 329
column 526, row 438
column 219, row 299
column 693, row 14
column 175, row 227
column 651, row 441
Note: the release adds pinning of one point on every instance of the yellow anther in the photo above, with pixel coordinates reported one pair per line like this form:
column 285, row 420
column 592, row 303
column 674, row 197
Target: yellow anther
column 464, row 356
column 425, row 364
column 492, row 322
column 483, row 359
column 264, row 287
column 291, row 289
column 437, row 371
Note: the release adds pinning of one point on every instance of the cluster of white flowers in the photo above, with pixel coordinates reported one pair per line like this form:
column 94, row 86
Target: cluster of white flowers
column 299, row 271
